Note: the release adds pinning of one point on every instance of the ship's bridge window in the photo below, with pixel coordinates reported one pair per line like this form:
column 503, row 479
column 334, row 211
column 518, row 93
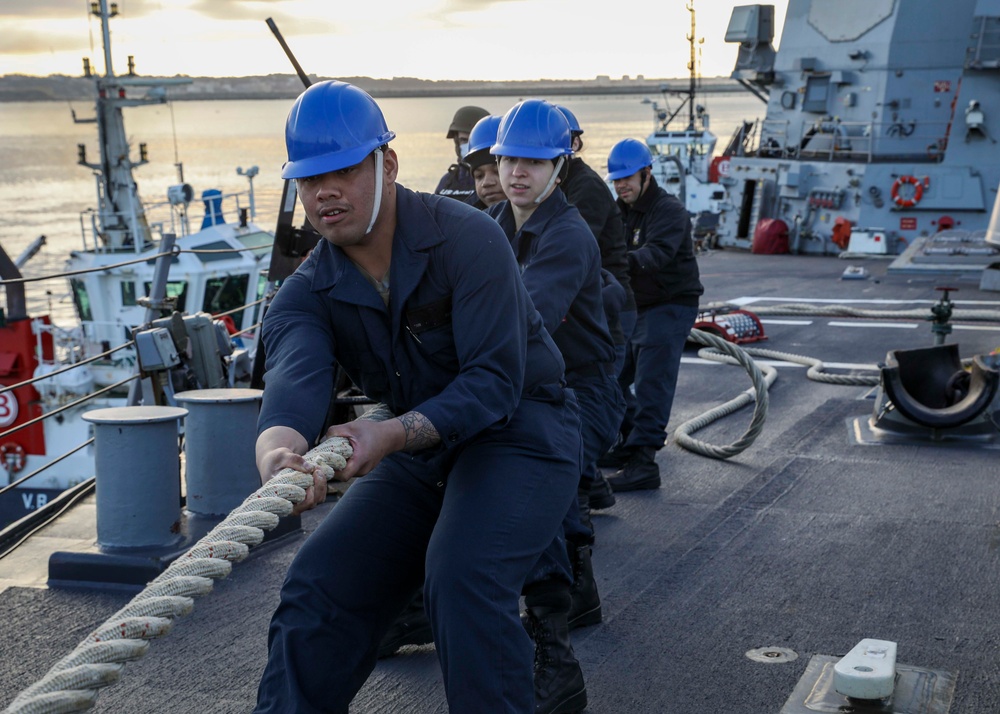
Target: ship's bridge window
column 175, row 289
column 81, row 300
column 128, row 293
column 225, row 293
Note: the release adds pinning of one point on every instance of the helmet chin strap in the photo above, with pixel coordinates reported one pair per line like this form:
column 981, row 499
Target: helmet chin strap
column 552, row 180
column 379, row 162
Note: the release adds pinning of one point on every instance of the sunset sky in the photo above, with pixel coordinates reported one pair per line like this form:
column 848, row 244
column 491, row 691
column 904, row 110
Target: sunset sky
column 427, row 39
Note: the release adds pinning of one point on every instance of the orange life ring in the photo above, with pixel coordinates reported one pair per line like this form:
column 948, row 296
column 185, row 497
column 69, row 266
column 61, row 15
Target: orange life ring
column 918, row 191
column 11, row 457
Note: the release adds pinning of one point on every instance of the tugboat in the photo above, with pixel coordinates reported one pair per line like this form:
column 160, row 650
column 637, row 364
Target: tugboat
column 881, row 126
column 684, row 161
column 140, row 265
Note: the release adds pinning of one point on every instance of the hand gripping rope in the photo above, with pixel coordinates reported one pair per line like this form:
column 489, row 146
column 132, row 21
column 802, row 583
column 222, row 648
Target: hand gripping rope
column 72, row 684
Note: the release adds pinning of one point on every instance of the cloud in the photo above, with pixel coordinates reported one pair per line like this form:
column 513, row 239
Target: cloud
column 48, row 9
column 451, row 6
column 69, row 9
column 258, row 11
column 15, row 41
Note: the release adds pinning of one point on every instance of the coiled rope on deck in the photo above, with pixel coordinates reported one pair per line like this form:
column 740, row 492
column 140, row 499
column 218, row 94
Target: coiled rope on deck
column 762, row 377
column 73, row 683
column 728, row 352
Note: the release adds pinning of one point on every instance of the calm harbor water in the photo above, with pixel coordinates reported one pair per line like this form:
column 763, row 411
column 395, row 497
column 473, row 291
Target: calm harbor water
column 43, row 191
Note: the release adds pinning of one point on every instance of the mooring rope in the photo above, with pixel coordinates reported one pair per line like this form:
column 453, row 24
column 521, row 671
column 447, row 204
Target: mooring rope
column 762, row 377
column 73, row 683
column 721, row 350
column 923, row 314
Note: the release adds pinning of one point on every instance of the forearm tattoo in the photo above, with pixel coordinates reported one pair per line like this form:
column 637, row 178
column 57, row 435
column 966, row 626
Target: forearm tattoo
column 420, row 433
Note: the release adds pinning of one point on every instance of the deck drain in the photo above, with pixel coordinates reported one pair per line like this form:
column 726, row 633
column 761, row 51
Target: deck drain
column 772, row 655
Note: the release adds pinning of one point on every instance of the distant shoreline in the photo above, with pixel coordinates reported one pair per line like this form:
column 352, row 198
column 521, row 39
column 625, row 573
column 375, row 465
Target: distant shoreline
column 22, row 88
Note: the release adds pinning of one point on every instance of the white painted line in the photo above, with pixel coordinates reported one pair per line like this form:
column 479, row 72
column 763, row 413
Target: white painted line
column 984, row 328
column 893, row 325
column 782, row 363
column 769, row 321
column 747, row 300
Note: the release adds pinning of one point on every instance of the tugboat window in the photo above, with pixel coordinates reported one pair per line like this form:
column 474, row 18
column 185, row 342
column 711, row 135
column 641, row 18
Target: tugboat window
column 225, row 293
column 261, row 289
column 175, row 289
column 128, row 293
column 81, row 300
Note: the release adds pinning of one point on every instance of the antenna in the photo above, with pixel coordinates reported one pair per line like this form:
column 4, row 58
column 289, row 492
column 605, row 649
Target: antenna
column 295, row 63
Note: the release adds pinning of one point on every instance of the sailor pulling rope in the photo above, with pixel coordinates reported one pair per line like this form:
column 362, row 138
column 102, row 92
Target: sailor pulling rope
column 72, row 684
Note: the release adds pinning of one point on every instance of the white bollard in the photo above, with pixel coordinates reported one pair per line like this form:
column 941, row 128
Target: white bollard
column 868, row 671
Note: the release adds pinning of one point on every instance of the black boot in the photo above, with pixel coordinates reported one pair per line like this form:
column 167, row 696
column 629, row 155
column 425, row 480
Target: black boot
column 639, row 473
column 411, row 627
column 585, row 609
column 615, row 458
column 559, row 685
column 600, row 496
column 583, row 504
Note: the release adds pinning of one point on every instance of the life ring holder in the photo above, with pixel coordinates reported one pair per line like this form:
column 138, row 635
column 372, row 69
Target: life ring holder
column 918, row 191
column 16, row 462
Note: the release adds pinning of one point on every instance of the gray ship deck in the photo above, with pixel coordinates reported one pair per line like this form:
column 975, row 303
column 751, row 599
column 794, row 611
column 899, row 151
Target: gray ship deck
column 805, row 543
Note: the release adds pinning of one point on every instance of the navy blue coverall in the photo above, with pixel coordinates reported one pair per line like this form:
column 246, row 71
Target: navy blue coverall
column 667, row 286
column 586, row 190
column 462, row 344
column 561, row 268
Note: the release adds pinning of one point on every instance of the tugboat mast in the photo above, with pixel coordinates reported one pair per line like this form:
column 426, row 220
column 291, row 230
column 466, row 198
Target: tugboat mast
column 121, row 220
column 692, row 70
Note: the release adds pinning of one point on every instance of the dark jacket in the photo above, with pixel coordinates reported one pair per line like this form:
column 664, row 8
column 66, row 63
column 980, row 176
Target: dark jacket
column 457, row 183
column 661, row 257
column 561, row 268
column 586, row 190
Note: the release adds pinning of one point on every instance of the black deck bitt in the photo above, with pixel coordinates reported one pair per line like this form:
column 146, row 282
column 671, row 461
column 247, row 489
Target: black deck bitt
column 976, row 435
column 917, row 691
column 132, row 569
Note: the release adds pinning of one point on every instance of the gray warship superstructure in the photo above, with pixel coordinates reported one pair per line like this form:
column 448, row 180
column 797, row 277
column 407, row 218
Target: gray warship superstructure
column 881, row 126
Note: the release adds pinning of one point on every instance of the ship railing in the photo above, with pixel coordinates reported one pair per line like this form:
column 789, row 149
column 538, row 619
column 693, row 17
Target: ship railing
column 866, row 142
column 57, row 404
column 173, row 215
column 91, row 342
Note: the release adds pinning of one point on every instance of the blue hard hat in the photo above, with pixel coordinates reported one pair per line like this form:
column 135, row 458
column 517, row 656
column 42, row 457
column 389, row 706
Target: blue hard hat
column 533, row 129
column 332, row 125
column 627, row 157
column 574, row 125
column 482, row 137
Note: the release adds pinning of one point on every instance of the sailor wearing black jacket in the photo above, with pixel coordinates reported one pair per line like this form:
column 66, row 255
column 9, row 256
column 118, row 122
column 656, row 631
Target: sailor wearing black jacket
column 667, row 287
column 457, row 181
